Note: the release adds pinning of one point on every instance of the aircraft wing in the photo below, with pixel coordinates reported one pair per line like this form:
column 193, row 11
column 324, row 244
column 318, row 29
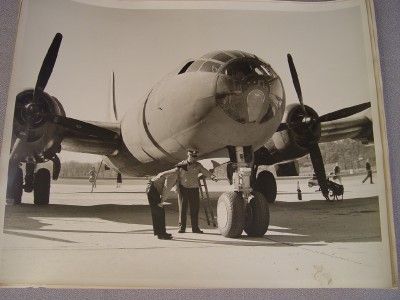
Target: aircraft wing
column 89, row 137
column 301, row 132
column 41, row 128
column 359, row 128
column 58, row 132
column 292, row 141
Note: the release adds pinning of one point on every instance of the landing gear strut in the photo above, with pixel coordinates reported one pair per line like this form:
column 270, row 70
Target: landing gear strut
column 14, row 185
column 242, row 209
column 41, row 187
column 29, row 176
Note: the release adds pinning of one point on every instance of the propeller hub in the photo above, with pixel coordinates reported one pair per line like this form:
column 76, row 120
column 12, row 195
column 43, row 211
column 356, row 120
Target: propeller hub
column 30, row 113
column 305, row 127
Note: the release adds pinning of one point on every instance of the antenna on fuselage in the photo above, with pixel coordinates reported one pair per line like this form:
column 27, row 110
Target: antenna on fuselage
column 113, row 104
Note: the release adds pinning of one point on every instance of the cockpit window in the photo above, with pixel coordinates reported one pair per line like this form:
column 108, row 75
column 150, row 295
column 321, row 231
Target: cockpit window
column 185, row 67
column 204, row 66
column 248, row 90
column 267, row 70
column 240, row 69
column 210, row 54
column 210, row 66
column 195, row 66
column 221, row 56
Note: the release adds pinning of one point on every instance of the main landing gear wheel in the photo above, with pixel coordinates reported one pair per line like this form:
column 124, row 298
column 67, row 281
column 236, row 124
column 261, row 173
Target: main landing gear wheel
column 231, row 214
column 15, row 186
column 266, row 185
column 257, row 216
column 41, row 187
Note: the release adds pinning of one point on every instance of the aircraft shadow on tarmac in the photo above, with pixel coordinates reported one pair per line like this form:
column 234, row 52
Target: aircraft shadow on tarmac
column 291, row 223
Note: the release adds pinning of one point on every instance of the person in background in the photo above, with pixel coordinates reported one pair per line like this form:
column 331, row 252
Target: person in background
column 188, row 187
column 369, row 172
column 336, row 172
column 119, row 180
column 157, row 190
column 92, row 178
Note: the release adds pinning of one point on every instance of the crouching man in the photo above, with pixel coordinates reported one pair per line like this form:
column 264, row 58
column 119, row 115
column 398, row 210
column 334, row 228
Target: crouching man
column 157, row 190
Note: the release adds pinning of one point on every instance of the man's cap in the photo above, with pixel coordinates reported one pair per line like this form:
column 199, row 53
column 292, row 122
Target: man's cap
column 193, row 152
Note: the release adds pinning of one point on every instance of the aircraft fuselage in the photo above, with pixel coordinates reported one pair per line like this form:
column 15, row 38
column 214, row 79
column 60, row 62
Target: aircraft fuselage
column 239, row 102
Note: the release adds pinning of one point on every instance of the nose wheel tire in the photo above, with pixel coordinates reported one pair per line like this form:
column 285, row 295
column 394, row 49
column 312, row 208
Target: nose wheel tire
column 266, row 185
column 257, row 216
column 41, row 187
column 14, row 186
column 230, row 214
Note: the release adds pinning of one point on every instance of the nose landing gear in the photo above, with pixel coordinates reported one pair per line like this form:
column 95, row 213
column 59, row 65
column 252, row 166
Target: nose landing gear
column 244, row 208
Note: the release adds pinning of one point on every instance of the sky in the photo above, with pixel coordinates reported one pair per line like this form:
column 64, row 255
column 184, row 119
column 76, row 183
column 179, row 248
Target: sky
column 143, row 45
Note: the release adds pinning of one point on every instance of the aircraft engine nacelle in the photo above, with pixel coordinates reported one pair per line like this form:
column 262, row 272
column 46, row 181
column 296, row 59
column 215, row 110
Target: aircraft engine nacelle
column 40, row 138
column 292, row 142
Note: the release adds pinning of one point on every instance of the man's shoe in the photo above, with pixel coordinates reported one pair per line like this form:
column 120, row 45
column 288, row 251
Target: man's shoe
column 197, row 230
column 164, row 236
column 181, row 230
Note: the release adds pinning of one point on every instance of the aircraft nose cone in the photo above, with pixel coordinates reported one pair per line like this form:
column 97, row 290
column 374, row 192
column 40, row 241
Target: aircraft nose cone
column 246, row 101
column 249, row 90
column 256, row 103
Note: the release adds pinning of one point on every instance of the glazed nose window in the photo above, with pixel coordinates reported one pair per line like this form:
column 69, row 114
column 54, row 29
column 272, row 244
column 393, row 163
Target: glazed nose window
column 255, row 102
column 247, row 92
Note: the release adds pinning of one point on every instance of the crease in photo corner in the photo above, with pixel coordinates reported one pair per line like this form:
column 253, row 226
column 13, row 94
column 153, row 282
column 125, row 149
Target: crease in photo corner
column 379, row 111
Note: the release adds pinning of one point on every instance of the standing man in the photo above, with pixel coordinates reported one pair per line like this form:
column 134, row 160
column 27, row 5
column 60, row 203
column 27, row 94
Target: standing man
column 369, row 172
column 336, row 171
column 157, row 190
column 119, row 180
column 188, row 179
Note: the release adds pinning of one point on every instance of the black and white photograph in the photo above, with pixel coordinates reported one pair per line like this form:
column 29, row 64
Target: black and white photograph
column 196, row 144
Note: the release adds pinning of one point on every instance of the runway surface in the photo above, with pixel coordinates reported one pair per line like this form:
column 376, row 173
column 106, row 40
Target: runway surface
column 105, row 239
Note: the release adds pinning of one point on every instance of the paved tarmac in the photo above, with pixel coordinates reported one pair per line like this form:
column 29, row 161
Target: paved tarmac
column 105, row 239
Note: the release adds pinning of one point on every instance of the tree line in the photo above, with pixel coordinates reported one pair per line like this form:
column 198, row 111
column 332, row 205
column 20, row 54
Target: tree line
column 349, row 154
column 79, row 169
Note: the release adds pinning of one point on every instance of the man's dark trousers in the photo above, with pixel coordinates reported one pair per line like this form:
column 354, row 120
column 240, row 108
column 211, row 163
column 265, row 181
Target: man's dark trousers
column 157, row 213
column 369, row 175
column 189, row 196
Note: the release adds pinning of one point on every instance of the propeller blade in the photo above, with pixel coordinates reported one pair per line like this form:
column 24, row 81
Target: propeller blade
column 15, row 149
column 282, row 126
column 344, row 112
column 319, row 168
column 296, row 82
column 48, row 64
